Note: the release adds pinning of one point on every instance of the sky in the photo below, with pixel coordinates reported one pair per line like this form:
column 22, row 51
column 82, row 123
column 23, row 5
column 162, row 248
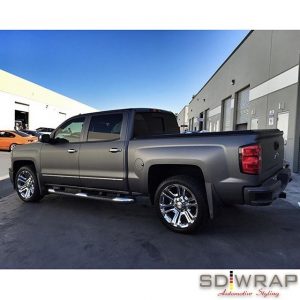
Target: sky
column 119, row 69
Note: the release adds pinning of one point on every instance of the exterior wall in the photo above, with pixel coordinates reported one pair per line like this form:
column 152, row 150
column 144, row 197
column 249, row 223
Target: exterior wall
column 45, row 107
column 268, row 63
column 183, row 119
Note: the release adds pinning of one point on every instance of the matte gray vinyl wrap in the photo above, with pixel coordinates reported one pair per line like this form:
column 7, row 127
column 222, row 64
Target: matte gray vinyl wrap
column 217, row 157
column 28, row 152
column 215, row 154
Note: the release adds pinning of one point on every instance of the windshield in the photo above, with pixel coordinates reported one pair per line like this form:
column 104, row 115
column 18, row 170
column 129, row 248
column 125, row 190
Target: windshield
column 23, row 134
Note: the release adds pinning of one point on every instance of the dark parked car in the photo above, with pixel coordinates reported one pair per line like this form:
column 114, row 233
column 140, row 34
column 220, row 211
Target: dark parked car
column 32, row 132
column 45, row 130
column 118, row 155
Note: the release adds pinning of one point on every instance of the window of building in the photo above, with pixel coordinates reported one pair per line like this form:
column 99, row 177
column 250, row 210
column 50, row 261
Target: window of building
column 105, row 127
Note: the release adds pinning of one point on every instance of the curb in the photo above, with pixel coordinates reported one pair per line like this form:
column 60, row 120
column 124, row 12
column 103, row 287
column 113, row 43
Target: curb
column 4, row 177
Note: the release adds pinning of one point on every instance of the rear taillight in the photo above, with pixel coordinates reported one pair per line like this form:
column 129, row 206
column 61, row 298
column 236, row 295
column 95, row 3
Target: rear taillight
column 250, row 159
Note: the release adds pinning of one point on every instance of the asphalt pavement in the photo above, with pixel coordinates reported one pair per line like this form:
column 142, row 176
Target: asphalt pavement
column 66, row 232
column 63, row 232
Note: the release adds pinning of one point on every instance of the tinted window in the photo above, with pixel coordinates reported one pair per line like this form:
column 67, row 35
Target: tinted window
column 154, row 123
column 21, row 133
column 5, row 134
column 71, row 130
column 44, row 129
column 105, row 127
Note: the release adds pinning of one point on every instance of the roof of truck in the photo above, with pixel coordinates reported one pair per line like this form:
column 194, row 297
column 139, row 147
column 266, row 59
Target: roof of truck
column 128, row 109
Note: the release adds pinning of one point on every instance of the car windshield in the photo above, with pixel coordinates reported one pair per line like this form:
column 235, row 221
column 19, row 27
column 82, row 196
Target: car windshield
column 23, row 134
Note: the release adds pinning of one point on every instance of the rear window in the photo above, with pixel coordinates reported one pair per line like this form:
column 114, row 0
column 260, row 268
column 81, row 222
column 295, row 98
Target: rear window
column 154, row 123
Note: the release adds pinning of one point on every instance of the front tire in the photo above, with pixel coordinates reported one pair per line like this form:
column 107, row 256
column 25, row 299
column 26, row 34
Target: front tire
column 26, row 184
column 181, row 204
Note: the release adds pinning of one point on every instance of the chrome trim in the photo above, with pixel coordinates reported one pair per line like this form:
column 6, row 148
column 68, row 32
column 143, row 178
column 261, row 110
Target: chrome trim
column 101, row 178
column 84, row 177
column 81, row 194
column 84, row 195
column 55, row 175
column 72, row 150
column 122, row 199
column 115, row 150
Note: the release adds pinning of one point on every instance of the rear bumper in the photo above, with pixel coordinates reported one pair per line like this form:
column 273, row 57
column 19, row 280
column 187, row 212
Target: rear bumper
column 269, row 190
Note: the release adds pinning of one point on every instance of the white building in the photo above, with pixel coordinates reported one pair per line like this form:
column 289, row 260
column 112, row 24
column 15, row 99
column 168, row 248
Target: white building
column 183, row 118
column 26, row 102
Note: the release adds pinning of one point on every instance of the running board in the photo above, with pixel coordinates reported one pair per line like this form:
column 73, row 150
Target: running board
column 85, row 195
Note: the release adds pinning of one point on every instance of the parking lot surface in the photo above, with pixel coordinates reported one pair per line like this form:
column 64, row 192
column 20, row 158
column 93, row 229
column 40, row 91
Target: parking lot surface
column 4, row 164
column 66, row 232
column 63, row 232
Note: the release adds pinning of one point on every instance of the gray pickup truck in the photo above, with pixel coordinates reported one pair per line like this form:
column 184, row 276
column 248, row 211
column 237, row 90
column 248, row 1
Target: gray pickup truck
column 121, row 154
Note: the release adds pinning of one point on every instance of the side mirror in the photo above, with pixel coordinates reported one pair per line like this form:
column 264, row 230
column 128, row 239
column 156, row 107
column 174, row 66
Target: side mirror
column 44, row 138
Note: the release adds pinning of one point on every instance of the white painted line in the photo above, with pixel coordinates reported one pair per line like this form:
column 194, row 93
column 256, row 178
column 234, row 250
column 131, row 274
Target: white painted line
column 276, row 83
column 4, row 177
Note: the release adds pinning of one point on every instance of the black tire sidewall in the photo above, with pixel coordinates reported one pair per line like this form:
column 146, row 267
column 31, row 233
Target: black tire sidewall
column 199, row 193
column 36, row 195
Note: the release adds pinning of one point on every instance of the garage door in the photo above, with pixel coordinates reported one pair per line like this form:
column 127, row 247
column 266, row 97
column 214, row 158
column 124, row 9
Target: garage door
column 226, row 114
column 242, row 107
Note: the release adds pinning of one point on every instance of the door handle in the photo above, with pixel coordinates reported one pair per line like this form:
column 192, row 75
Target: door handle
column 72, row 150
column 115, row 150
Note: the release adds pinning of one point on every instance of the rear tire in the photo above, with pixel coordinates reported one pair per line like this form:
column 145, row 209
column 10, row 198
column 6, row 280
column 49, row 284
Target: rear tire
column 26, row 185
column 12, row 146
column 181, row 204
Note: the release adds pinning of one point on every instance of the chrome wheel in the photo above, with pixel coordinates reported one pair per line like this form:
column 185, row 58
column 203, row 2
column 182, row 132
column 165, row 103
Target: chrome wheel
column 12, row 147
column 178, row 206
column 25, row 184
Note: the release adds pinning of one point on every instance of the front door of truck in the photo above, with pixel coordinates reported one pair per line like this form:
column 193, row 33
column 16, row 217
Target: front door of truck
column 59, row 159
column 102, row 156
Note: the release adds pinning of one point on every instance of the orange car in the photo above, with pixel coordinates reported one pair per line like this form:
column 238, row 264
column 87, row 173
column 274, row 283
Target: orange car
column 10, row 138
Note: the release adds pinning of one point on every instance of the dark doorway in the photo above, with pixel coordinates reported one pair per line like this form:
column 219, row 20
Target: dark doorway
column 242, row 126
column 21, row 119
column 201, row 121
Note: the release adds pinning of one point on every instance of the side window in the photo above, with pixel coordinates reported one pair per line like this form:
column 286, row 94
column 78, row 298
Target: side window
column 5, row 134
column 105, row 127
column 71, row 130
column 154, row 123
column 9, row 135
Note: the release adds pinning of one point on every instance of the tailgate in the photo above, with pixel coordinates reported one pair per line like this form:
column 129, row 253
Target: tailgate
column 272, row 152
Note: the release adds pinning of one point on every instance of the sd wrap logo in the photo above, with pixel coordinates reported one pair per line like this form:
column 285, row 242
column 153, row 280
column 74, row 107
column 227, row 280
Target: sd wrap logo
column 236, row 283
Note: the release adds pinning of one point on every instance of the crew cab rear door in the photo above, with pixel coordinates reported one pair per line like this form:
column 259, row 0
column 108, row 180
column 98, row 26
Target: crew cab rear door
column 102, row 155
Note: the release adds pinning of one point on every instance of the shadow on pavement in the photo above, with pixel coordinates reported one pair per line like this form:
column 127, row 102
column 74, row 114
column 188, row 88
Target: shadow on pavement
column 6, row 188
